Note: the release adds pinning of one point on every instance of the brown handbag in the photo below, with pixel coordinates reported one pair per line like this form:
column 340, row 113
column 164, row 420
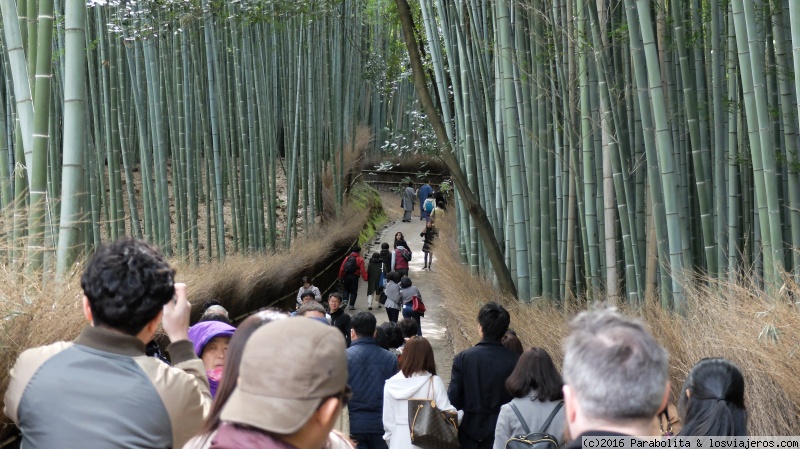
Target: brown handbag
column 430, row 427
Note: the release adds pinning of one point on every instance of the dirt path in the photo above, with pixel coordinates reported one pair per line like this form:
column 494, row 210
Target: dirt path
column 433, row 324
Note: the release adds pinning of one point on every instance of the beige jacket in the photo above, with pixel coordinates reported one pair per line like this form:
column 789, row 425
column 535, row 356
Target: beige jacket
column 103, row 388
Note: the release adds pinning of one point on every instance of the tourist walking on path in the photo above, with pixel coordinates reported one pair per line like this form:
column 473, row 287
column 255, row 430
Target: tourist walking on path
column 101, row 390
column 409, row 196
column 307, row 287
column 417, row 379
column 392, row 292
column 428, row 235
column 386, row 257
column 477, row 382
column 339, row 318
column 351, row 269
column 374, row 271
column 437, row 213
column 712, row 400
column 424, row 192
column 210, row 340
column 407, row 294
column 400, row 240
column 615, row 377
column 368, row 367
column 536, row 386
column 399, row 261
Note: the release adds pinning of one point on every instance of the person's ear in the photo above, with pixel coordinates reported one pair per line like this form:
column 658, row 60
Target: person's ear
column 327, row 413
column 353, row 334
column 571, row 407
column 665, row 399
column 87, row 310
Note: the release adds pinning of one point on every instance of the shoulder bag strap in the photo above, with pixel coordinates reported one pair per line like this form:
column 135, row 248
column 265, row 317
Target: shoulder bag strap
column 550, row 418
column 521, row 419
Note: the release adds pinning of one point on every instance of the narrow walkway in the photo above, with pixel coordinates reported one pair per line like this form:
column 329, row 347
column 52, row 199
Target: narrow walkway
column 433, row 324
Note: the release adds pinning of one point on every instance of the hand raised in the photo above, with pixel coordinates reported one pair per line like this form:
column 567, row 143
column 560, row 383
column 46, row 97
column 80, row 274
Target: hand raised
column 175, row 319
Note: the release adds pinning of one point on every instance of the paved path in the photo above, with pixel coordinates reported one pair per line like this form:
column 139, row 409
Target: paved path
column 433, row 324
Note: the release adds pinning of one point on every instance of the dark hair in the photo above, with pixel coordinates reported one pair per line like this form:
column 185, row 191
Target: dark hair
column 408, row 327
column 364, row 324
column 535, row 371
column 440, row 204
column 376, row 257
column 381, row 339
column 417, row 357
column 384, row 245
column 402, row 237
column 512, row 343
column 335, row 295
column 214, row 317
column 405, row 282
column 410, row 184
column 127, row 283
column 308, row 293
column 715, row 405
column 394, row 335
column 233, row 358
column 393, row 276
column 356, row 249
column 430, row 195
column 494, row 320
column 306, row 280
column 312, row 306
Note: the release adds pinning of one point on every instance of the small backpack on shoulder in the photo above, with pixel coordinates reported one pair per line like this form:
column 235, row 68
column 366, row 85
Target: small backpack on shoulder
column 350, row 266
column 429, row 205
column 406, row 253
column 535, row 440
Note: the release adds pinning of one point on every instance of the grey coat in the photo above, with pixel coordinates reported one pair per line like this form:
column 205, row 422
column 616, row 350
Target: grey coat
column 535, row 413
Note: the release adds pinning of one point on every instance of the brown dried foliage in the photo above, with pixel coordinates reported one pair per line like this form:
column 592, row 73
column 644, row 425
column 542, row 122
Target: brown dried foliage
column 732, row 320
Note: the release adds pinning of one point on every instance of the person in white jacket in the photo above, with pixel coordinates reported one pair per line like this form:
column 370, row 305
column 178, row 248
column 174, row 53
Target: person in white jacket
column 417, row 379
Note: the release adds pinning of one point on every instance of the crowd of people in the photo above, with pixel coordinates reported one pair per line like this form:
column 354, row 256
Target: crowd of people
column 279, row 381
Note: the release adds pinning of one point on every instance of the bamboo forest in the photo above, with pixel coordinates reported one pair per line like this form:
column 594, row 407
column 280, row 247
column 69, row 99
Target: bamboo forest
column 623, row 148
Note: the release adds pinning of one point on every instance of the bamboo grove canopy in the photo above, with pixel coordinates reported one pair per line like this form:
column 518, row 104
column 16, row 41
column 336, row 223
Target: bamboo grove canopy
column 160, row 119
column 624, row 146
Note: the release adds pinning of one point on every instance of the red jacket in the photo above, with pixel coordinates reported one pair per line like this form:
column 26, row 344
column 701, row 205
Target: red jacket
column 360, row 271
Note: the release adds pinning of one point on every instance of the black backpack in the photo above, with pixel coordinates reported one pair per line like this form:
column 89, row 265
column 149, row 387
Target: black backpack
column 350, row 266
column 537, row 440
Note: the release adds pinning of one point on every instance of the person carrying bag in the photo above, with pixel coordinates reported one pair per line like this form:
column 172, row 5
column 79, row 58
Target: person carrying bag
column 536, row 440
column 432, row 428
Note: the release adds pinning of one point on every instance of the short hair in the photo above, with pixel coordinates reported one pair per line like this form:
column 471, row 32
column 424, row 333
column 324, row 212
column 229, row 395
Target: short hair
column 127, row 284
column 405, row 282
column 440, row 204
column 408, row 327
column 417, row 357
column 306, row 294
column 306, row 280
column 617, row 370
column 311, row 306
column 335, row 295
column 410, row 184
column 394, row 336
column 393, row 276
column 535, row 371
column 384, row 245
column 364, row 324
column 494, row 320
column 356, row 249
column 214, row 317
column 430, row 195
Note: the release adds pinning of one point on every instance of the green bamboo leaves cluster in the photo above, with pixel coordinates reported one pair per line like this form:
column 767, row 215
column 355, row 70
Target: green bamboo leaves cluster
column 166, row 119
column 624, row 146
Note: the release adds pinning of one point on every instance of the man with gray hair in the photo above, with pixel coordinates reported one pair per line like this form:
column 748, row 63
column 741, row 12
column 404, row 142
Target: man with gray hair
column 615, row 377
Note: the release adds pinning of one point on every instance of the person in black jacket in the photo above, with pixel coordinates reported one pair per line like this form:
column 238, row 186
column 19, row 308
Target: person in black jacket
column 386, row 257
column 339, row 318
column 477, row 383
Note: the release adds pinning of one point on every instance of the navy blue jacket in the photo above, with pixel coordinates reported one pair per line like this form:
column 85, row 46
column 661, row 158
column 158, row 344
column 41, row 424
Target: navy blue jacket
column 478, row 387
column 368, row 368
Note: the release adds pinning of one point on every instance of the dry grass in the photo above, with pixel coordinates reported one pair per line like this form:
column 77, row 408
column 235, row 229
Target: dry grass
column 353, row 158
column 731, row 320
